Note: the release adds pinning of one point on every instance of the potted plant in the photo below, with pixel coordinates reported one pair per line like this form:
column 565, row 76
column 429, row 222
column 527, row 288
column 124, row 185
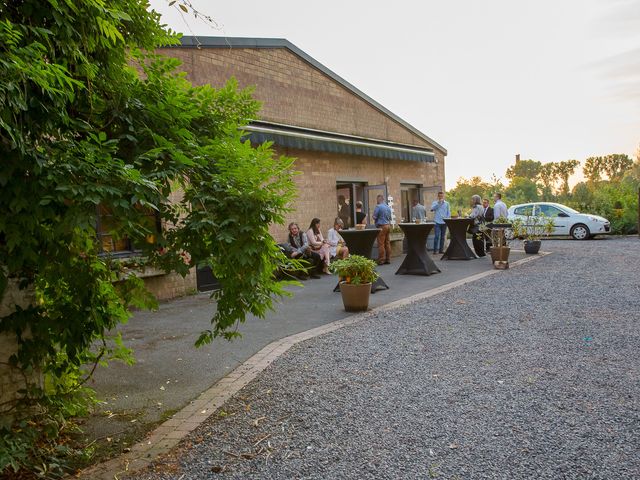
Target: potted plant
column 499, row 243
column 531, row 231
column 356, row 273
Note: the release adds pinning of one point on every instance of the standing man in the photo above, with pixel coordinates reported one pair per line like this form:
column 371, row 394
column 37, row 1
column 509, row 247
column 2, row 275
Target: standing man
column 487, row 215
column 418, row 212
column 382, row 220
column 488, row 211
column 442, row 211
column 499, row 207
column 344, row 211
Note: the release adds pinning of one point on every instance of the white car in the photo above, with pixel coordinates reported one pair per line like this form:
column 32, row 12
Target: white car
column 568, row 221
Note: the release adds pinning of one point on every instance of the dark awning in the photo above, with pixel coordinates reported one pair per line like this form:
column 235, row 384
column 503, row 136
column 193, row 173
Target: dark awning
column 314, row 140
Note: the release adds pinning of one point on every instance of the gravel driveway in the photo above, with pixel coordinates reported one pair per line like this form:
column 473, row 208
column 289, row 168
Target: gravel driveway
column 529, row 373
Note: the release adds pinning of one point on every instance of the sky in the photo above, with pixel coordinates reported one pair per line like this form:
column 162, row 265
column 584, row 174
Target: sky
column 550, row 80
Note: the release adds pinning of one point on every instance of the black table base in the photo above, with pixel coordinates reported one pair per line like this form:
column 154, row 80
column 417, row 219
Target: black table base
column 417, row 261
column 458, row 248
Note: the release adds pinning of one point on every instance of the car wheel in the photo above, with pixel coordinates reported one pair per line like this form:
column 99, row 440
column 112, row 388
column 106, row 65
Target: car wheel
column 580, row 232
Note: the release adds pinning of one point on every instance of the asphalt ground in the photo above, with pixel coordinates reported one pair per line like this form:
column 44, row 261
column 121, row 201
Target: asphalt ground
column 170, row 372
column 532, row 373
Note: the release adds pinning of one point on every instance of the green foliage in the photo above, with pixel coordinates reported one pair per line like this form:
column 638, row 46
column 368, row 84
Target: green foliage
column 460, row 196
column 613, row 166
column 529, row 169
column 88, row 119
column 616, row 201
column 615, row 198
column 355, row 269
column 521, row 190
column 533, row 227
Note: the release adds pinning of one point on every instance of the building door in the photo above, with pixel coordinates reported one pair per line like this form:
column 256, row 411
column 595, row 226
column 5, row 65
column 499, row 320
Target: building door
column 370, row 194
column 408, row 193
column 347, row 196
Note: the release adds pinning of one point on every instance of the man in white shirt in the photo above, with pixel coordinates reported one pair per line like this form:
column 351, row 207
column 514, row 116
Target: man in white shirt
column 499, row 207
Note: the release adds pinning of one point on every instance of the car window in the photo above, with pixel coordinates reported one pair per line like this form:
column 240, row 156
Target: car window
column 524, row 210
column 548, row 211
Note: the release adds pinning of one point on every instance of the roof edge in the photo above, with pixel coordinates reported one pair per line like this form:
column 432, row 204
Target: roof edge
column 248, row 42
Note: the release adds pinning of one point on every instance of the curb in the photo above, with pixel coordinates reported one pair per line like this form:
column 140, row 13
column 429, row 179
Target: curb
column 170, row 433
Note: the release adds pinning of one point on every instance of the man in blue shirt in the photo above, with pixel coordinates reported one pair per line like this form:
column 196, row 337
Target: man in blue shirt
column 442, row 211
column 382, row 220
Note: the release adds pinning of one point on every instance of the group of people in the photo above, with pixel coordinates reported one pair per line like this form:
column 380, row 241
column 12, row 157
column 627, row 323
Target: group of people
column 312, row 247
column 319, row 251
column 481, row 212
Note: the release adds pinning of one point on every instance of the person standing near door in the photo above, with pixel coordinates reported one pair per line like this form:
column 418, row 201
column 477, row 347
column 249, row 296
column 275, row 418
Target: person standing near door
column 418, row 212
column 442, row 210
column 382, row 220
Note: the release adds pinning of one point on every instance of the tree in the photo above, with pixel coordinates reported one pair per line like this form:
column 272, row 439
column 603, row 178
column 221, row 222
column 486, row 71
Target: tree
column 88, row 120
column 548, row 176
column 613, row 166
column 563, row 170
column 592, row 169
column 529, row 169
column 522, row 190
column 460, row 196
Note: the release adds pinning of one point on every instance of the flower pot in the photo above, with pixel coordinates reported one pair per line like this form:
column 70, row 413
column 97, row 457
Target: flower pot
column 532, row 246
column 355, row 297
column 500, row 254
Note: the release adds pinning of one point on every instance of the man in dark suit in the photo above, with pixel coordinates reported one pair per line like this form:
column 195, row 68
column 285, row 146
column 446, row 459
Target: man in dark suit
column 488, row 211
column 488, row 218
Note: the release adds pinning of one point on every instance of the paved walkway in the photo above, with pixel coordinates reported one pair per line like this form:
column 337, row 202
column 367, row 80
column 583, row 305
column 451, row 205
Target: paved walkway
column 530, row 373
column 170, row 373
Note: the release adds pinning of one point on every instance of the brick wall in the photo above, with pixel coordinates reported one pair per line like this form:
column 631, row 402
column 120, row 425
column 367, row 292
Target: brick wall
column 292, row 91
column 320, row 170
column 165, row 287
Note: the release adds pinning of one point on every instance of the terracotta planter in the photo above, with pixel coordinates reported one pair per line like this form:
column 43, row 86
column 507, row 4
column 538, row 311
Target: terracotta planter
column 532, row 246
column 355, row 297
column 500, row 254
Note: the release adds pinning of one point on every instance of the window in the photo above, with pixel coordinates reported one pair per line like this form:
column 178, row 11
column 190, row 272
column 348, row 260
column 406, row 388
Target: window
column 109, row 241
column 525, row 210
column 548, row 211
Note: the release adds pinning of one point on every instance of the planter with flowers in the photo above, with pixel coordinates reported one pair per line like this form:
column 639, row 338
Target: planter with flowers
column 500, row 249
column 356, row 274
column 531, row 230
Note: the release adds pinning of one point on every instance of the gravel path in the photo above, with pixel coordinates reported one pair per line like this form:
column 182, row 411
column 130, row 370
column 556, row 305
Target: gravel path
column 530, row 373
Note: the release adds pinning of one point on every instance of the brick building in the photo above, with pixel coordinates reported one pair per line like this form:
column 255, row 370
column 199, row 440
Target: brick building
column 347, row 146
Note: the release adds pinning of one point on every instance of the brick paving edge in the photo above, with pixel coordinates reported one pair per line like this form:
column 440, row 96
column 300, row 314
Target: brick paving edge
column 168, row 435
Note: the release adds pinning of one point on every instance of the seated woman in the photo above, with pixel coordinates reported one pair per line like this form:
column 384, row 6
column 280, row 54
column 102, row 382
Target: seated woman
column 337, row 246
column 477, row 213
column 318, row 244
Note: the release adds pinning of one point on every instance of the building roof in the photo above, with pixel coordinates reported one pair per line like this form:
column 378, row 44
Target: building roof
column 239, row 42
